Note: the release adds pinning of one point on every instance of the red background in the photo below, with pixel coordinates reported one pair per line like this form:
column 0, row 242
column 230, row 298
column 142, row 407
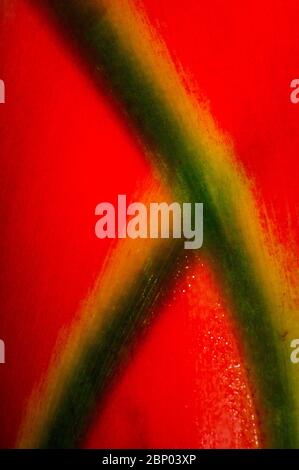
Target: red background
column 64, row 148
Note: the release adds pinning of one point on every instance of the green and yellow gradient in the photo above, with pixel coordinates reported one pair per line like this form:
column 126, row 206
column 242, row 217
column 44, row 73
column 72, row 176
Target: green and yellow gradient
column 196, row 160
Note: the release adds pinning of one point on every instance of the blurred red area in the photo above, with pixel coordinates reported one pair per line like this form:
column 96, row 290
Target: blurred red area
column 64, row 148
